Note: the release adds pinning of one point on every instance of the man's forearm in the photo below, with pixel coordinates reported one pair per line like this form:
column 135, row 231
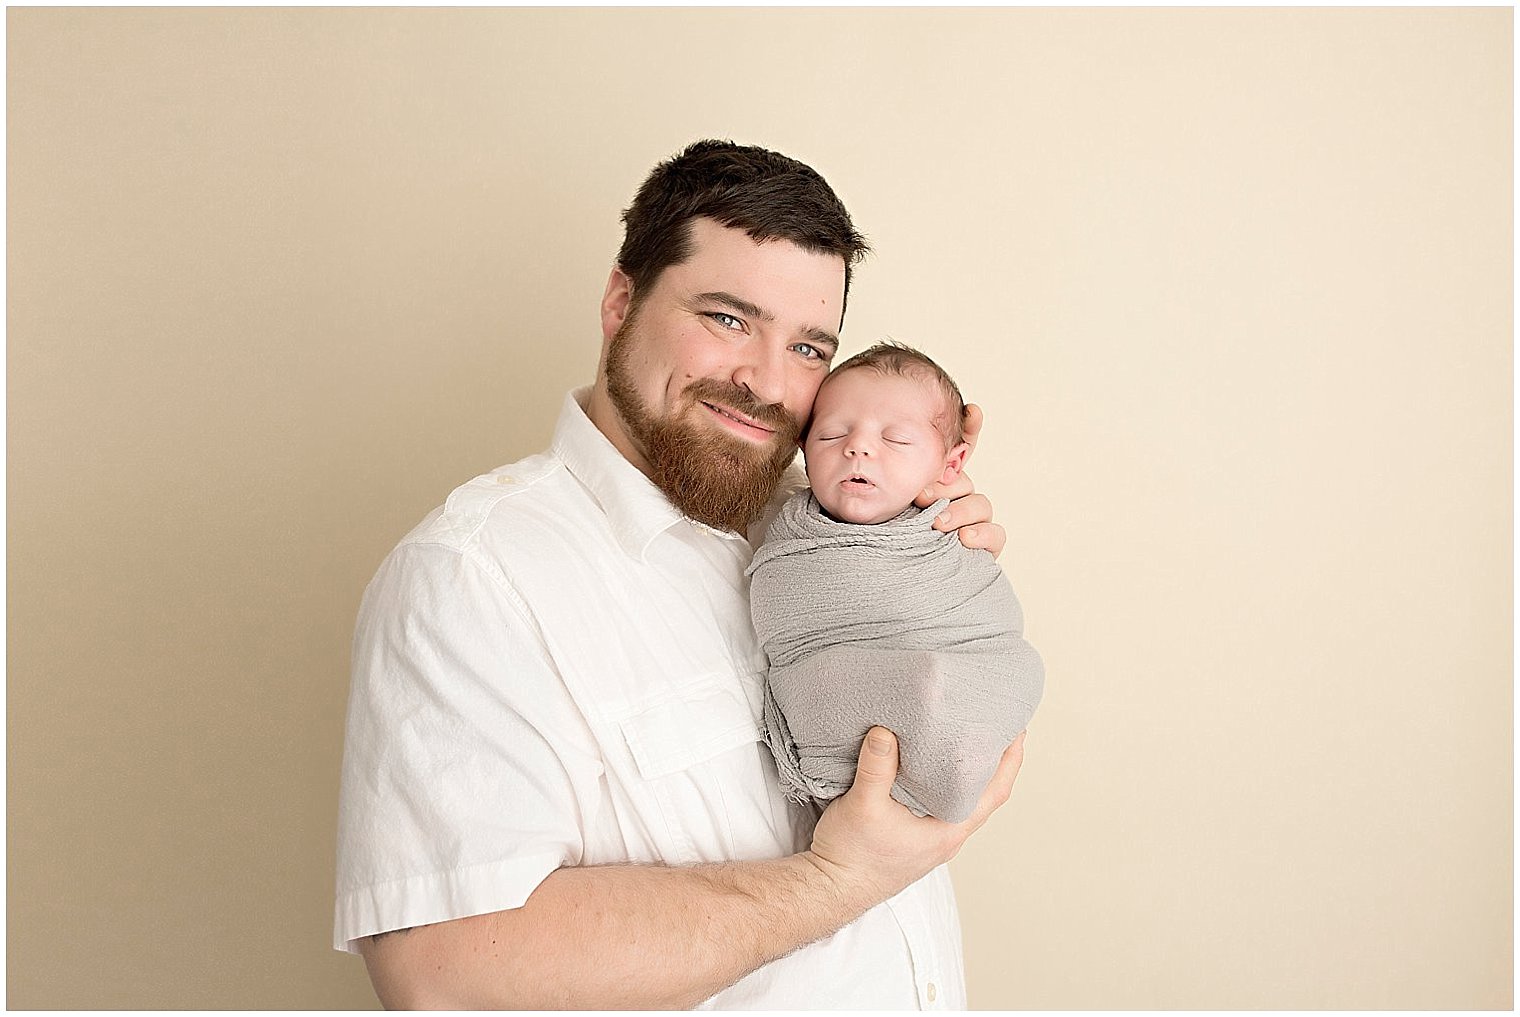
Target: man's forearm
column 618, row 937
column 661, row 938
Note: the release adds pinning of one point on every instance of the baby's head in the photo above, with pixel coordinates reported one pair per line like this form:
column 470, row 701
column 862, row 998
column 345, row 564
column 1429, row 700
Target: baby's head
column 886, row 424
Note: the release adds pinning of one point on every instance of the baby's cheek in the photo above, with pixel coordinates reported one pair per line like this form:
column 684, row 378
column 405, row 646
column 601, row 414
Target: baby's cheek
column 826, row 498
column 812, row 466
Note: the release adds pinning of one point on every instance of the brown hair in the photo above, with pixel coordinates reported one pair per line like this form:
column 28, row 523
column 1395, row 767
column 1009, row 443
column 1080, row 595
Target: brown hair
column 766, row 194
column 900, row 359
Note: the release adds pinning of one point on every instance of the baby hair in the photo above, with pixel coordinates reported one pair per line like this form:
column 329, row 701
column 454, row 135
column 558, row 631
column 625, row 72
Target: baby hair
column 895, row 358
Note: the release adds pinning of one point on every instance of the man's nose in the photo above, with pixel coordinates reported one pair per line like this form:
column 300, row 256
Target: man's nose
column 763, row 372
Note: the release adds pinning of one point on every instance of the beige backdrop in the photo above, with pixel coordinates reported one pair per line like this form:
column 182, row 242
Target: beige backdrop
column 1234, row 287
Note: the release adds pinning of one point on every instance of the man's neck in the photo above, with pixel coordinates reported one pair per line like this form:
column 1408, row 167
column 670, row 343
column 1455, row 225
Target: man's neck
column 603, row 414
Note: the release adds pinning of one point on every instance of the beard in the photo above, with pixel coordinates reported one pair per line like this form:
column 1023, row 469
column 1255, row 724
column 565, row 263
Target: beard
column 711, row 476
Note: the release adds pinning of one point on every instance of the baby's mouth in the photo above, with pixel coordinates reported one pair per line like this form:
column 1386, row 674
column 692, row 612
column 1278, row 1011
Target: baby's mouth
column 859, row 481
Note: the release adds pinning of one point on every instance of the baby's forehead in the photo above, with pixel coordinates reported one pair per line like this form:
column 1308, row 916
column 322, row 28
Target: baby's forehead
column 866, row 383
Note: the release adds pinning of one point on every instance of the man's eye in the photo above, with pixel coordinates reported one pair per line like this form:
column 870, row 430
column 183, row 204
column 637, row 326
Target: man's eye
column 728, row 321
column 810, row 351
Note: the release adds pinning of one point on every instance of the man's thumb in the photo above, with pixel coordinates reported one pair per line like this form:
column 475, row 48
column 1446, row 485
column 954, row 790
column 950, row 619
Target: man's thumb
column 878, row 758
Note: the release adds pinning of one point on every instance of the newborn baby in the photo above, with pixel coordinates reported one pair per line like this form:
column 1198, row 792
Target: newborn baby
column 869, row 616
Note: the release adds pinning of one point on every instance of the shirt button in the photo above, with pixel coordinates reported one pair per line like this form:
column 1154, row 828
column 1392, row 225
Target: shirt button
column 931, row 992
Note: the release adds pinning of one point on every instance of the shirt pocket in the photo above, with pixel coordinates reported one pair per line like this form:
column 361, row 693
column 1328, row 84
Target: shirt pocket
column 699, row 754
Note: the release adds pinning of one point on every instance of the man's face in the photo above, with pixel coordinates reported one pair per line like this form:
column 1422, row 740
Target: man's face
column 873, row 444
column 713, row 373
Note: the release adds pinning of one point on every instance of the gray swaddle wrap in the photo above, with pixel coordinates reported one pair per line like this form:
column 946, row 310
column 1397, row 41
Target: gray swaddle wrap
column 894, row 624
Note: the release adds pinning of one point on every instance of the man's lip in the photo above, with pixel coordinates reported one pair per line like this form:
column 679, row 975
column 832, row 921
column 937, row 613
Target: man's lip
column 729, row 411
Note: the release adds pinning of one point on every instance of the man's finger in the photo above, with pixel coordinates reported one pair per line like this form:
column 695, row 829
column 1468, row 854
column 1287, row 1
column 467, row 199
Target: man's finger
column 955, row 490
column 1001, row 785
column 984, row 536
column 967, row 511
column 971, row 424
column 1009, row 766
column 878, row 759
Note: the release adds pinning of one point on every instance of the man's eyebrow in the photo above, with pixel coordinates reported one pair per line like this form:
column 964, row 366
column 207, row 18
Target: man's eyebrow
column 737, row 303
column 822, row 337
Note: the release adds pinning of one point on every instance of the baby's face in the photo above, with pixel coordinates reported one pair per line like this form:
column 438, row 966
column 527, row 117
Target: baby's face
column 872, row 445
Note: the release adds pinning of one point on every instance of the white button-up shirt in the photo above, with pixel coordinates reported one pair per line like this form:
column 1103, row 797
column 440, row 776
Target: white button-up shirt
column 558, row 668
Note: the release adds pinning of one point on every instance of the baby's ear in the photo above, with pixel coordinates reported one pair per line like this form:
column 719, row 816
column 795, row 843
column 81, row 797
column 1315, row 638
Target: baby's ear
column 955, row 462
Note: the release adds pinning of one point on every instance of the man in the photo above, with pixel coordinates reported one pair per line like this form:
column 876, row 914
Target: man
column 553, row 779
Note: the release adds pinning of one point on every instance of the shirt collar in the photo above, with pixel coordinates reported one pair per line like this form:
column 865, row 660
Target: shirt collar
column 637, row 511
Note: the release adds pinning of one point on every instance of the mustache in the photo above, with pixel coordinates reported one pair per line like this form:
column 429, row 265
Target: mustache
column 736, row 397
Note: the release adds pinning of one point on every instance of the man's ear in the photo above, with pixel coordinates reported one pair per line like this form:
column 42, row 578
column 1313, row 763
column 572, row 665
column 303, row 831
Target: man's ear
column 955, row 462
column 615, row 302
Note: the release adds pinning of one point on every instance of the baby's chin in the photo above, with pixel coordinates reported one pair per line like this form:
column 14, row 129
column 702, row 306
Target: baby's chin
column 845, row 511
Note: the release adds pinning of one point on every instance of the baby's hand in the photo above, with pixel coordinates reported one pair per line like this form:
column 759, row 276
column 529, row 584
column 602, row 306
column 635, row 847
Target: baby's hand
column 968, row 512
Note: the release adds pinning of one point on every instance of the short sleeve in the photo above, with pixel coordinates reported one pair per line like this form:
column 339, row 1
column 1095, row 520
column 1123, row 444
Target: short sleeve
column 469, row 774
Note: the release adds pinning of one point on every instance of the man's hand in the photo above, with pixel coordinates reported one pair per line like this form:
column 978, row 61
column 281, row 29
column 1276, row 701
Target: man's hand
column 968, row 512
column 873, row 847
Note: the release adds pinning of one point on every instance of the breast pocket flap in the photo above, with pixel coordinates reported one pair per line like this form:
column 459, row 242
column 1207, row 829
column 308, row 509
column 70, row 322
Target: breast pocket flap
column 702, row 722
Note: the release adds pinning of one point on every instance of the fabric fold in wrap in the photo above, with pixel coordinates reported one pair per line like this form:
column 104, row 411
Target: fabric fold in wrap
column 894, row 624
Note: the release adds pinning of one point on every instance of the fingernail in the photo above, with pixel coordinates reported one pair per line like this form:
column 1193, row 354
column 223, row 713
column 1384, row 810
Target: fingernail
column 942, row 518
column 880, row 744
column 927, row 492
